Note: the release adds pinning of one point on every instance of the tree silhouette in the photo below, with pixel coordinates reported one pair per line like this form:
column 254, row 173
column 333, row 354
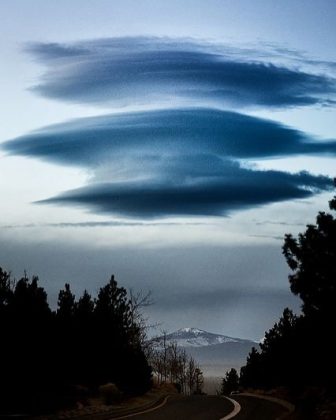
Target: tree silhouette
column 299, row 351
column 6, row 292
column 26, row 333
column 252, row 374
column 46, row 354
column 230, row 382
column 66, row 304
column 84, row 308
column 312, row 258
column 199, row 381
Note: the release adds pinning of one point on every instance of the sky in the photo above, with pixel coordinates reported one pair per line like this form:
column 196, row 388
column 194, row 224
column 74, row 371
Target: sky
column 172, row 144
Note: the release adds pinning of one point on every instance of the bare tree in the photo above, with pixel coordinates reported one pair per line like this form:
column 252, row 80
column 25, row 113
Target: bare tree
column 172, row 364
column 137, row 302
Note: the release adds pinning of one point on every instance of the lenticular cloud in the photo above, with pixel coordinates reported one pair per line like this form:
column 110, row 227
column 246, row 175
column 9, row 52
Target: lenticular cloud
column 175, row 162
column 120, row 137
column 214, row 194
column 190, row 158
column 142, row 70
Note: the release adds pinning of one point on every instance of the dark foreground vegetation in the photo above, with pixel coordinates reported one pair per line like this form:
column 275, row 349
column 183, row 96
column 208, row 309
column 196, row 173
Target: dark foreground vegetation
column 51, row 358
column 48, row 358
column 299, row 352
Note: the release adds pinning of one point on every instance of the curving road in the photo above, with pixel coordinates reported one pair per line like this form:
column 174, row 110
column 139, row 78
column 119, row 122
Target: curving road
column 196, row 407
column 258, row 409
column 213, row 408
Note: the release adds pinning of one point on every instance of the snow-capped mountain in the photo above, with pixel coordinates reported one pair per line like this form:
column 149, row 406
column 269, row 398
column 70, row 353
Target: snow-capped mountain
column 194, row 337
column 216, row 353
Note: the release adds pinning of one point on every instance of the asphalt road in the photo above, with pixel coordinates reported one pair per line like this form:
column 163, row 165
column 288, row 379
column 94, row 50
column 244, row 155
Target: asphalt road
column 194, row 407
column 258, row 409
column 213, row 408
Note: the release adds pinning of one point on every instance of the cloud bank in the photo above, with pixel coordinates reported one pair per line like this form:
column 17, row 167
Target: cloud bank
column 137, row 70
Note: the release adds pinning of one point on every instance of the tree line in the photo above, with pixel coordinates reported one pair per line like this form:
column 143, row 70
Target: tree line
column 300, row 350
column 45, row 354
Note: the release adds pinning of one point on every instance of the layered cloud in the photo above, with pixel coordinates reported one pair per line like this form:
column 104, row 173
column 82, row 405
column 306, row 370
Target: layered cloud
column 212, row 195
column 124, row 71
column 192, row 157
column 154, row 135
column 175, row 162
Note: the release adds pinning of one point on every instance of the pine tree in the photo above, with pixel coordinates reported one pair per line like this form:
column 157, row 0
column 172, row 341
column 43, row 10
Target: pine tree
column 230, row 382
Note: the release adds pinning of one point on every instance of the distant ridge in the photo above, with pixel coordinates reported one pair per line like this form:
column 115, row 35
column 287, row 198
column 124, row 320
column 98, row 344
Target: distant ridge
column 216, row 353
column 195, row 337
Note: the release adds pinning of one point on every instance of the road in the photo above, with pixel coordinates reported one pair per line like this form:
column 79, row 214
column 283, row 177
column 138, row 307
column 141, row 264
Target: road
column 258, row 409
column 213, row 408
column 194, row 407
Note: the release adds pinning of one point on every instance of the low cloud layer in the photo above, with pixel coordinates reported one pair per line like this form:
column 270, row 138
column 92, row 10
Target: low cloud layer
column 174, row 275
column 136, row 70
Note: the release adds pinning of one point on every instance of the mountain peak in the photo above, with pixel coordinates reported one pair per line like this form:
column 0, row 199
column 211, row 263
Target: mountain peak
column 195, row 337
column 190, row 330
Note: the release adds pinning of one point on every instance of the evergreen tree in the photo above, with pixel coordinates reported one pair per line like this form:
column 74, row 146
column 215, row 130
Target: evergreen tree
column 6, row 292
column 230, row 382
column 66, row 303
column 300, row 351
column 45, row 354
column 312, row 258
column 252, row 374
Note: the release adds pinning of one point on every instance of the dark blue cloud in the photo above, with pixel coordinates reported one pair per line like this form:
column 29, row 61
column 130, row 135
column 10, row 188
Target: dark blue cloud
column 150, row 138
column 213, row 194
column 53, row 51
column 175, row 162
column 139, row 69
column 182, row 161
